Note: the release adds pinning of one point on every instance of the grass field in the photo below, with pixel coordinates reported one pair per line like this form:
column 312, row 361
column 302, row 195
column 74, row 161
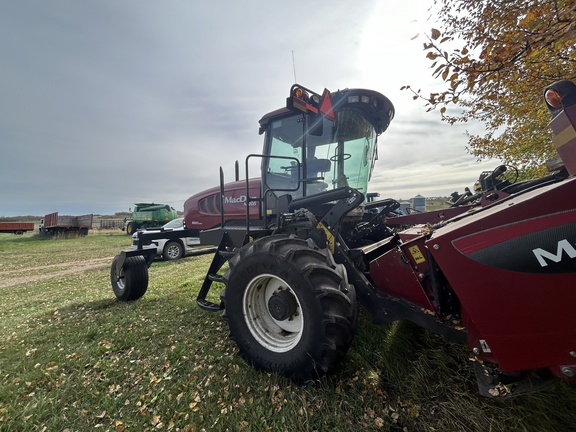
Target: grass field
column 72, row 358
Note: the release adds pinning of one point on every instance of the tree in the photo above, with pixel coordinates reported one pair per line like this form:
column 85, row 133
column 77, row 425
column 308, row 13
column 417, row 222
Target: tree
column 494, row 58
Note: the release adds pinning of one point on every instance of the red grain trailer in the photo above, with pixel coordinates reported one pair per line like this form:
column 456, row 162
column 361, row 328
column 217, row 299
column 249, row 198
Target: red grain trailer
column 56, row 224
column 16, row 227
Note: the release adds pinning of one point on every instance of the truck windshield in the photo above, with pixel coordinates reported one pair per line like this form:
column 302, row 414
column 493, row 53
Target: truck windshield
column 343, row 155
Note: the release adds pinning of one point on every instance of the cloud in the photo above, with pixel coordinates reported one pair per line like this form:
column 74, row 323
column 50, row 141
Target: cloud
column 109, row 103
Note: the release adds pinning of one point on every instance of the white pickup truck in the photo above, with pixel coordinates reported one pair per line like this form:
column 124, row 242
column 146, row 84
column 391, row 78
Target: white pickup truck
column 169, row 249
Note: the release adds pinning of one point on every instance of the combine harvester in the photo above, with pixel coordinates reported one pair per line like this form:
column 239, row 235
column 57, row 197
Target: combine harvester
column 495, row 272
column 149, row 215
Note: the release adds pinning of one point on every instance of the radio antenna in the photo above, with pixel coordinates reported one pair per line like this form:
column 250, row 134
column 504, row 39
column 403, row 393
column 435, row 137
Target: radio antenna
column 294, row 67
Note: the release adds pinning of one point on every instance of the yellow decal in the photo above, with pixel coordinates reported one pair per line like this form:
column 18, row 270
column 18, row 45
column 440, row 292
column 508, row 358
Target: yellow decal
column 329, row 236
column 416, row 254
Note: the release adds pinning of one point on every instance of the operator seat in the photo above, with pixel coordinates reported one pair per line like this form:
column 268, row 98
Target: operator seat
column 316, row 168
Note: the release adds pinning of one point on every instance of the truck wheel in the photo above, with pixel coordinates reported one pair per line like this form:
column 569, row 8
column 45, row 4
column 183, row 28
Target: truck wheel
column 130, row 228
column 131, row 282
column 173, row 250
column 287, row 307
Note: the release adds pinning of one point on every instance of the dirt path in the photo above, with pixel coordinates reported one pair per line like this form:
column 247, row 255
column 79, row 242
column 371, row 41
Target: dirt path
column 11, row 278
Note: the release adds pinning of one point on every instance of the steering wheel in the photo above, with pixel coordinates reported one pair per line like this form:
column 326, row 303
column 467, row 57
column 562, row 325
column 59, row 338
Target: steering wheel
column 345, row 156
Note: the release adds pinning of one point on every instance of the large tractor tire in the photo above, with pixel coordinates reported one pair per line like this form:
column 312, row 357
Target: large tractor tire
column 351, row 294
column 131, row 228
column 131, row 282
column 289, row 307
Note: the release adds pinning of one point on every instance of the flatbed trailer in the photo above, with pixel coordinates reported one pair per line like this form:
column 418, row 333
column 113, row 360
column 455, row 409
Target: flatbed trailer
column 18, row 228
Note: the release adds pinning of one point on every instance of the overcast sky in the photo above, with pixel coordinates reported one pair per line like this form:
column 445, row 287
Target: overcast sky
column 111, row 102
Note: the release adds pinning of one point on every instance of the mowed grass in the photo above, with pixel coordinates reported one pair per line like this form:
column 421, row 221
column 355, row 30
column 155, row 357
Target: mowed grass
column 73, row 358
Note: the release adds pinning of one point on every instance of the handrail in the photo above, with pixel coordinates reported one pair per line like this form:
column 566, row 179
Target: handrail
column 265, row 192
column 221, row 197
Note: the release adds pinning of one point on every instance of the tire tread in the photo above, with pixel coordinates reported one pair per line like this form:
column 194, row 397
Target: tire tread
column 329, row 286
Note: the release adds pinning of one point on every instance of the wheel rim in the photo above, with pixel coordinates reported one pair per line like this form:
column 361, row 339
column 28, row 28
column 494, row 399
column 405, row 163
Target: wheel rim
column 173, row 251
column 275, row 335
column 120, row 279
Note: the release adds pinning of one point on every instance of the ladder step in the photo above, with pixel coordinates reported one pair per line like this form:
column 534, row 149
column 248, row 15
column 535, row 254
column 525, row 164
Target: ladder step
column 209, row 306
column 214, row 277
column 226, row 254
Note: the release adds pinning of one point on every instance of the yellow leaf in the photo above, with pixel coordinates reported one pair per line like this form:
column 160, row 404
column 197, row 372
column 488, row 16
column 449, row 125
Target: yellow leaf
column 438, row 69
column 445, row 74
column 414, row 411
